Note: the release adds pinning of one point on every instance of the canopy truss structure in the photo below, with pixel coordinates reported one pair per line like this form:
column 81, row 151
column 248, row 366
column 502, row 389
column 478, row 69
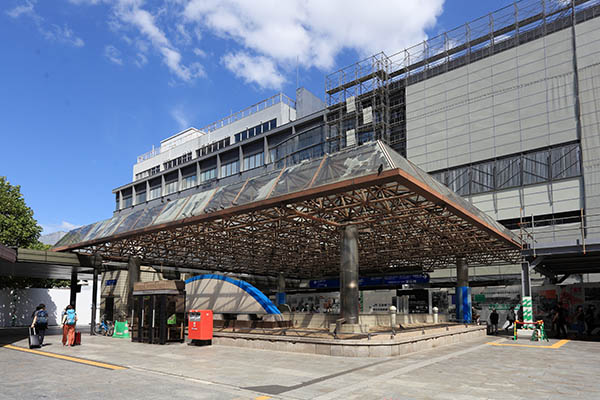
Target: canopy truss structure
column 290, row 221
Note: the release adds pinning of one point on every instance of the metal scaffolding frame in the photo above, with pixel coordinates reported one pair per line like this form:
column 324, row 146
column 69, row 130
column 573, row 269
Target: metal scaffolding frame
column 380, row 81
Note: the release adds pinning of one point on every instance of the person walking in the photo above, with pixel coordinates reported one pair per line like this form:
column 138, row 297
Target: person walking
column 69, row 321
column 561, row 321
column 510, row 318
column 494, row 320
column 40, row 322
column 580, row 321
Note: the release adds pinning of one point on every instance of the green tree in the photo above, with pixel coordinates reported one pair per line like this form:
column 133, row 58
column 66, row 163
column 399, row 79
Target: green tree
column 18, row 228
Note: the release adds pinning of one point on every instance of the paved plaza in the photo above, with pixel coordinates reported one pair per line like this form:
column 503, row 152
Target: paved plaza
column 472, row 370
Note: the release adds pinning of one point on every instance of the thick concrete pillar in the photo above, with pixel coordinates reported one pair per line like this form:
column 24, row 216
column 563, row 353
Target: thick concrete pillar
column 94, row 296
column 349, row 275
column 463, row 291
column 280, row 289
column 133, row 276
column 73, row 297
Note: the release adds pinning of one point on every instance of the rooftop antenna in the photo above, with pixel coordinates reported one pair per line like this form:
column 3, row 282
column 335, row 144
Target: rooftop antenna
column 297, row 73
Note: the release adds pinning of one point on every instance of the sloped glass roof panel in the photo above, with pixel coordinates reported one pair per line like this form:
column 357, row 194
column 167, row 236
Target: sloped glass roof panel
column 258, row 188
column 70, row 238
column 359, row 161
column 297, row 177
column 97, row 230
column 129, row 221
column 113, row 225
column 197, row 203
column 224, row 197
column 171, row 211
column 148, row 216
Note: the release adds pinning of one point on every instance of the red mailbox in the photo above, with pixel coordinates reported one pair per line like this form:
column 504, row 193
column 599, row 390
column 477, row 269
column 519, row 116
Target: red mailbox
column 200, row 325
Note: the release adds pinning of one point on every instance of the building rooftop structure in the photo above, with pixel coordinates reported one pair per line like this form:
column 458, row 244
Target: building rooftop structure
column 289, row 219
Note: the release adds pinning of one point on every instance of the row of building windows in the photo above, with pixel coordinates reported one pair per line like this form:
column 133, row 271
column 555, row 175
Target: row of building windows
column 208, row 175
column 229, row 169
column 524, row 169
column 211, row 148
column 178, row 161
column 256, row 130
column 148, row 172
column 253, row 161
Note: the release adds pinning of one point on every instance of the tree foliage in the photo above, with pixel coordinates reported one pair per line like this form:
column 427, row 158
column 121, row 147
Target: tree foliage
column 18, row 228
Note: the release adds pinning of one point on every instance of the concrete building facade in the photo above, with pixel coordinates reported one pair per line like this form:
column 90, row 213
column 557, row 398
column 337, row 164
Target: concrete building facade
column 504, row 111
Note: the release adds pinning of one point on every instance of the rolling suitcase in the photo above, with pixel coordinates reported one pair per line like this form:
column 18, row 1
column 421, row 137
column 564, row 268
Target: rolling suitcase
column 34, row 341
column 77, row 341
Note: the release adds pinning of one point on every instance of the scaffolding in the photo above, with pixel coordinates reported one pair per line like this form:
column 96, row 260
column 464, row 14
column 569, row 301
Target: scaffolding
column 367, row 100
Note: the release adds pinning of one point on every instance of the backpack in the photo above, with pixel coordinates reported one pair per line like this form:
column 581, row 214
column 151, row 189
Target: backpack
column 71, row 317
column 42, row 317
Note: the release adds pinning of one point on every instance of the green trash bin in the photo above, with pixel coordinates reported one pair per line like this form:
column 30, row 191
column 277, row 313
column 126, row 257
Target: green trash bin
column 121, row 330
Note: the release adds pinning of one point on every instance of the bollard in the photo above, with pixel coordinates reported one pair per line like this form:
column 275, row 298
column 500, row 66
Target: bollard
column 435, row 315
column 393, row 317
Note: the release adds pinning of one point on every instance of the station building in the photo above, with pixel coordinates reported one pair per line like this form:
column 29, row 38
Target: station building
column 503, row 110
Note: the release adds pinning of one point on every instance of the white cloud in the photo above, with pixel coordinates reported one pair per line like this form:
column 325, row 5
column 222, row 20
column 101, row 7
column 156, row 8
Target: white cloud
column 141, row 60
column 199, row 52
column 314, row 32
column 62, row 34
column 64, row 226
column 254, row 69
column 113, row 54
column 24, row 9
column 53, row 32
column 265, row 39
column 180, row 117
column 130, row 12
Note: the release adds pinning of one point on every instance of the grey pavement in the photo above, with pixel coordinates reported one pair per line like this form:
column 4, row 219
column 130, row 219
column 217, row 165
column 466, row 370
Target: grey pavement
column 472, row 370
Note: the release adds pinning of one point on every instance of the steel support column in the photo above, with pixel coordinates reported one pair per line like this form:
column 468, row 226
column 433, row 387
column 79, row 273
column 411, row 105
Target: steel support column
column 349, row 275
column 73, row 297
column 463, row 291
column 133, row 276
column 94, row 296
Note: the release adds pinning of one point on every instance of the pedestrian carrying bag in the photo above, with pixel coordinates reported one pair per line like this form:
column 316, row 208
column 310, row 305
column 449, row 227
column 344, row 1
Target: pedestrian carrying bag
column 34, row 341
column 42, row 317
column 70, row 317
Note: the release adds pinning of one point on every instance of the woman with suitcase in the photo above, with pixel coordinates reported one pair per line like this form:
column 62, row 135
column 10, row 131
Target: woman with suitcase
column 40, row 323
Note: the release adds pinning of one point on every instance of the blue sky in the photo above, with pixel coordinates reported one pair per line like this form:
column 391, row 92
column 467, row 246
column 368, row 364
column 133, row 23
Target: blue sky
column 88, row 85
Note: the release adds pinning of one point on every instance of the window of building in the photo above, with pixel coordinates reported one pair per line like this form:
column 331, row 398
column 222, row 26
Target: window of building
column 482, row 177
column 458, row 180
column 230, row 168
column 127, row 201
column 508, row 172
column 117, row 203
column 188, row 181
column 171, row 187
column 178, row 161
column 253, row 161
column 565, row 161
column 208, row 174
column 536, row 167
column 140, row 197
column 155, row 192
column 148, row 172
